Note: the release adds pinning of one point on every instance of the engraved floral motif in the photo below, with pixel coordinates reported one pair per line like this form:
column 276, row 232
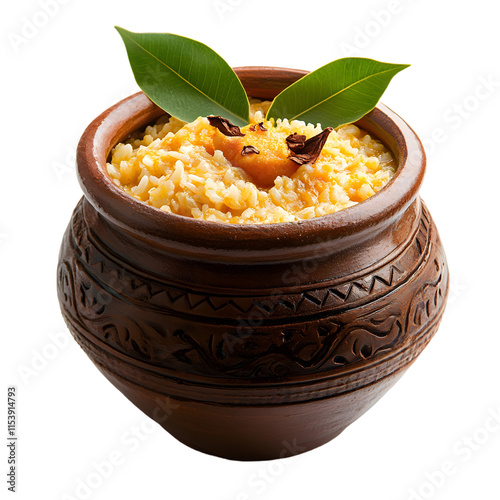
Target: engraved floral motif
column 362, row 342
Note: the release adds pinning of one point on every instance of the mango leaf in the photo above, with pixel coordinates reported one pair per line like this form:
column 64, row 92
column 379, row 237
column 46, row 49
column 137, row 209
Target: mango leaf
column 185, row 77
column 338, row 93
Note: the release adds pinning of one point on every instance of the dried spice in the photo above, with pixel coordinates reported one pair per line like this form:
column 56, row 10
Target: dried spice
column 295, row 142
column 225, row 126
column 249, row 150
column 261, row 126
column 307, row 151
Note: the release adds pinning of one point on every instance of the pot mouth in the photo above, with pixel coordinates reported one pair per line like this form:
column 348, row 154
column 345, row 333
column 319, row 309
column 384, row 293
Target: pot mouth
column 189, row 235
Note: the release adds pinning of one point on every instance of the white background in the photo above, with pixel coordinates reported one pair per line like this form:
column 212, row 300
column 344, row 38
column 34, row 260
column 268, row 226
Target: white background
column 57, row 77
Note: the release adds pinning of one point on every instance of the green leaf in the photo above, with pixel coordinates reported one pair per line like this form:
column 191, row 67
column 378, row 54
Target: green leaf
column 338, row 93
column 185, row 77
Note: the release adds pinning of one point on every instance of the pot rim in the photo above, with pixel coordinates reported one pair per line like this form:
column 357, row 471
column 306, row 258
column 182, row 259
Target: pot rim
column 186, row 234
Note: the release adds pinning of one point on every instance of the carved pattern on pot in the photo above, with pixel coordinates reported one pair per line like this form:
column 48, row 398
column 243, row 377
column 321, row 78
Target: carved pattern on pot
column 136, row 286
column 362, row 322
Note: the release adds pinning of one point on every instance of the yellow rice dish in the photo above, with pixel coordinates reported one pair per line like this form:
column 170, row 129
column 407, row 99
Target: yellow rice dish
column 196, row 171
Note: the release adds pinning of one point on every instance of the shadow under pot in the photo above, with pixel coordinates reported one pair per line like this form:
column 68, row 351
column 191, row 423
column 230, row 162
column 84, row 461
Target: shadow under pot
column 199, row 323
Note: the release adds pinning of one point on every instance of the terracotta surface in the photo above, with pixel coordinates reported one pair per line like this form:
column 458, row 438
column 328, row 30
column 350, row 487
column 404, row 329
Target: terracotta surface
column 256, row 341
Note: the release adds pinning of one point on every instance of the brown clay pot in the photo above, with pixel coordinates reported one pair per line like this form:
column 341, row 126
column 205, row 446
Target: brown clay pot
column 251, row 341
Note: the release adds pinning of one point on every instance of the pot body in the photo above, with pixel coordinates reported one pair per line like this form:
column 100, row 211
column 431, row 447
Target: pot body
column 243, row 347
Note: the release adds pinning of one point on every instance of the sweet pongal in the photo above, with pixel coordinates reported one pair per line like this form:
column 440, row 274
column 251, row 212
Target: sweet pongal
column 196, row 170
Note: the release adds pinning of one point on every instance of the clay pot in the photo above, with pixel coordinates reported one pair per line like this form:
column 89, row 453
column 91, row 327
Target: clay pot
column 251, row 341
